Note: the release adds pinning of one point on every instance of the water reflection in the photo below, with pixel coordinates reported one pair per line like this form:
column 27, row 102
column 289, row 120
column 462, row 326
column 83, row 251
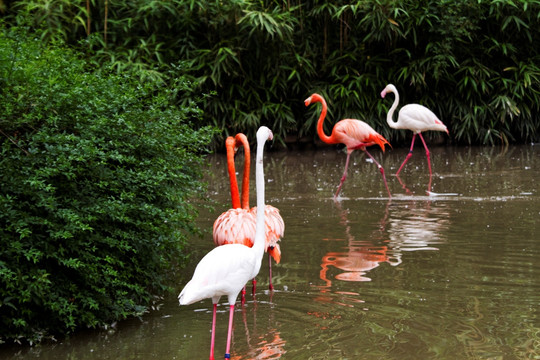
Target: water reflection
column 408, row 224
column 268, row 345
column 417, row 225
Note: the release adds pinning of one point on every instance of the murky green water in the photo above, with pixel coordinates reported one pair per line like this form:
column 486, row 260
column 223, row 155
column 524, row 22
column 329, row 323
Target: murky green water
column 451, row 276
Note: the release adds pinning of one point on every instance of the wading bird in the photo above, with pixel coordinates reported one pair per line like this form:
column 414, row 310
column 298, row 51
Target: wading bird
column 355, row 134
column 237, row 225
column 414, row 117
column 226, row 269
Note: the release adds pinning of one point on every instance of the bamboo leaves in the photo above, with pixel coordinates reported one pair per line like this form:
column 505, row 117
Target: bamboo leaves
column 457, row 56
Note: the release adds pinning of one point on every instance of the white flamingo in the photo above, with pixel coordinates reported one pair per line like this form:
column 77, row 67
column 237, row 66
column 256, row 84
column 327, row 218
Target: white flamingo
column 414, row 117
column 226, row 269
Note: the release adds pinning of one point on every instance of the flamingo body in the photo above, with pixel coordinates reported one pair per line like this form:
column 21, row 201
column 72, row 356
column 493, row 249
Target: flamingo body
column 355, row 134
column 235, row 226
column 274, row 231
column 225, row 270
column 414, row 117
column 418, row 118
column 222, row 272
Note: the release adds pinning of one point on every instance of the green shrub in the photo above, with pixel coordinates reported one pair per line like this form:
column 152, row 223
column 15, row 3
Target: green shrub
column 97, row 174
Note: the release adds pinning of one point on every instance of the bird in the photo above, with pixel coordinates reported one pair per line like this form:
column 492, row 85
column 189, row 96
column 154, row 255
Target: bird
column 237, row 225
column 226, row 269
column 414, row 117
column 355, row 134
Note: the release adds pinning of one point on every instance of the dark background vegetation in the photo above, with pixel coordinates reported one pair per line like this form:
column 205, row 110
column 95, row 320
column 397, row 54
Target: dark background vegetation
column 108, row 107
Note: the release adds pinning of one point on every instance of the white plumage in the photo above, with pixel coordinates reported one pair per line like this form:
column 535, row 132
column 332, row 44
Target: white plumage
column 226, row 269
column 416, row 118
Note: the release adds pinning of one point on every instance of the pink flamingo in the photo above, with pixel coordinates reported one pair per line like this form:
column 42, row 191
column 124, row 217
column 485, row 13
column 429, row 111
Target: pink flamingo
column 355, row 134
column 226, row 269
column 414, row 117
column 237, row 225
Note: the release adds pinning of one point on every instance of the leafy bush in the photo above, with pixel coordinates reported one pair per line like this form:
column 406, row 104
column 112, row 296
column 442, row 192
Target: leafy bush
column 96, row 176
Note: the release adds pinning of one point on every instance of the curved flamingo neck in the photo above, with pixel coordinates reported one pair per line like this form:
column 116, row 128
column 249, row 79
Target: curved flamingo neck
column 390, row 115
column 230, row 144
column 320, row 129
column 242, row 139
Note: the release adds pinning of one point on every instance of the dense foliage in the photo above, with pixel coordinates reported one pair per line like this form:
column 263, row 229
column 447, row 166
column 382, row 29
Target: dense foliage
column 474, row 63
column 97, row 172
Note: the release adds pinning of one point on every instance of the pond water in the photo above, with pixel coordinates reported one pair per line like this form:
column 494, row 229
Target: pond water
column 452, row 275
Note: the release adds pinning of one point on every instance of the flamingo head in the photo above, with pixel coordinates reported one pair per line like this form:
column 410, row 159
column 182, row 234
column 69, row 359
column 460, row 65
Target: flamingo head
column 387, row 89
column 275, row 252
column 314, row 98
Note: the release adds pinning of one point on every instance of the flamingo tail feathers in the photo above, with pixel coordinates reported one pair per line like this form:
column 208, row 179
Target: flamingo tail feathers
column 379, row 140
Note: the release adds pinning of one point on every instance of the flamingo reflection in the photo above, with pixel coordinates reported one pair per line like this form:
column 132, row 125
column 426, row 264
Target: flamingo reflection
column 417, row 225
column 269, row 345
column 360, row 257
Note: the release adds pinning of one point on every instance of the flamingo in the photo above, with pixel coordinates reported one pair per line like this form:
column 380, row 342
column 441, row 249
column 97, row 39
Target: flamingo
column 355, row 134
column 237, row 225
column 226, row 269
column 414, row 117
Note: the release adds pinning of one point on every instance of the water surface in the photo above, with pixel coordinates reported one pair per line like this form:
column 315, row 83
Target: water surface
column 450, row 275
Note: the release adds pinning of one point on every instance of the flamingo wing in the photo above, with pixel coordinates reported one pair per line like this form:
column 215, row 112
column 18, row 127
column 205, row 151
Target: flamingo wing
column 224, row 270
column 274, row 231
column 418, row 118
column 356, row 134
column 235, row 226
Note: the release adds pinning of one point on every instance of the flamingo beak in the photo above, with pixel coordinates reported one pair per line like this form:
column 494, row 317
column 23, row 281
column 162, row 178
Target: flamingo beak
column 383, row 93
column 307, row 101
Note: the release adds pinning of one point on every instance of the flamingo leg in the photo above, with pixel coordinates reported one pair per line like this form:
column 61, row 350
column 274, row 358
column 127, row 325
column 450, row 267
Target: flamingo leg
column 427, row 153
column 254, row 282
column 229, row 333
column 344, row 174
column 403, row 185
column 243, row 295
column 409, row 154
column 381, row 169
column 271, row 287
column 212, row 342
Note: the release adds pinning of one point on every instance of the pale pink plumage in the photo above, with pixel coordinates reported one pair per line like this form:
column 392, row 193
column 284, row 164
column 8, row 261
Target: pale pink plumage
column 414, row 117
column 355, row 134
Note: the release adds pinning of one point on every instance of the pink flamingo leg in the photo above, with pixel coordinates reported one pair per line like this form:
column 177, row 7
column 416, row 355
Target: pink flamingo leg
column 229, row 334
column 344, row 174
column 212, row 342
column 254, row 282
column 427, row 153
column 271, row 287
column 243, row 301
column 381, row 170
column 409, row 154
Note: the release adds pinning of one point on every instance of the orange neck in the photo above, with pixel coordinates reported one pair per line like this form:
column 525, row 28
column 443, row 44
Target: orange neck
column 242, row 139
column 235, row 196
column 320, row 130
